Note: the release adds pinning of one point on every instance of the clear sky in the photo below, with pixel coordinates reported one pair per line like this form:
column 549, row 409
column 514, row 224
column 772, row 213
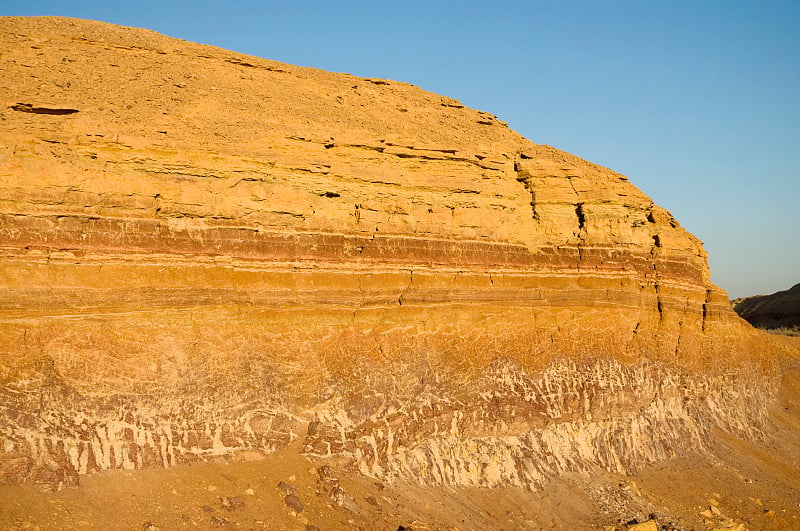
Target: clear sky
column 698, row 102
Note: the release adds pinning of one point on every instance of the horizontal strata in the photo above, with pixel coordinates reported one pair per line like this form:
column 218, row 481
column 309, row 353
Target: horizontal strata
column 80, row 234
column 104, row 282
column 204, row 254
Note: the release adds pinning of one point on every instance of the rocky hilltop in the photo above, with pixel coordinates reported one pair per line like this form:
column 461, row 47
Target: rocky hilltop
column 779, row 310
column 209, row 254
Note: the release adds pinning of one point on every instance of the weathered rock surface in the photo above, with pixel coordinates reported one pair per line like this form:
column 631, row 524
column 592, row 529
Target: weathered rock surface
column 778, row 310
column 204, row 253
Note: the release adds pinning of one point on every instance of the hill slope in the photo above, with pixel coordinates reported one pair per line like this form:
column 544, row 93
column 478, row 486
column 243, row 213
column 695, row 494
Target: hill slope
column 779, row 310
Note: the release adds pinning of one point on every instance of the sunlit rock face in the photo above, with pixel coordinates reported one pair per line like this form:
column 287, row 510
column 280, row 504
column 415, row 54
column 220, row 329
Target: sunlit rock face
column 204, row 253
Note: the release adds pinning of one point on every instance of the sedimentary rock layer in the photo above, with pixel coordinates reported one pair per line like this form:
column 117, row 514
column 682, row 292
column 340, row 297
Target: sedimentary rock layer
column 203, row 252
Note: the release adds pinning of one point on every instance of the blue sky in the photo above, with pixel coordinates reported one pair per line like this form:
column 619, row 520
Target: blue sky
column 698, row 102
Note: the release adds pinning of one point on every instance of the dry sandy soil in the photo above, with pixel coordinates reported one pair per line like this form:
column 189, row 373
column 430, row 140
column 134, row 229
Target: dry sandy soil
column 750, row 483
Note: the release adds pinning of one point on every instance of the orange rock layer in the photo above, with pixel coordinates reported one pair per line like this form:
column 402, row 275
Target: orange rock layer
column 203, row 253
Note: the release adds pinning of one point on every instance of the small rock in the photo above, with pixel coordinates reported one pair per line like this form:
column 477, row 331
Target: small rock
column 371, row 500
column 324, row 472
column 649, row 525
column 310, row 527
column 218, row 521
column 286, row 488
column 232, row 503
column 149, row 526
column 337, row 495
column 416, row 525
column 250, row 492
column 212, row 488
column 294, row 503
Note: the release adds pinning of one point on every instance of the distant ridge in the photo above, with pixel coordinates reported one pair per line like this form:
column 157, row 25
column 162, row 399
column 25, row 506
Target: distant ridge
column 778, row 310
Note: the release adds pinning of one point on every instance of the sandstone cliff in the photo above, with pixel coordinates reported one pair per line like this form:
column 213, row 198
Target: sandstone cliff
column 204, row 253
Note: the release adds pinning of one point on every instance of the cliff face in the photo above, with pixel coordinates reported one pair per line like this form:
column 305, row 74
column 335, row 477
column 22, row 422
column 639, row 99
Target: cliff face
column 203, row 253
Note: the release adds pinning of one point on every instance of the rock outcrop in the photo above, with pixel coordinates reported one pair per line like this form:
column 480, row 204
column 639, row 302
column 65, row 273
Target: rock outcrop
column 204, row 253
column 779, row 310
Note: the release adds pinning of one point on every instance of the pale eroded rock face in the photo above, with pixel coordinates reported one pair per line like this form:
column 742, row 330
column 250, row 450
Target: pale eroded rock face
column 203, row 253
